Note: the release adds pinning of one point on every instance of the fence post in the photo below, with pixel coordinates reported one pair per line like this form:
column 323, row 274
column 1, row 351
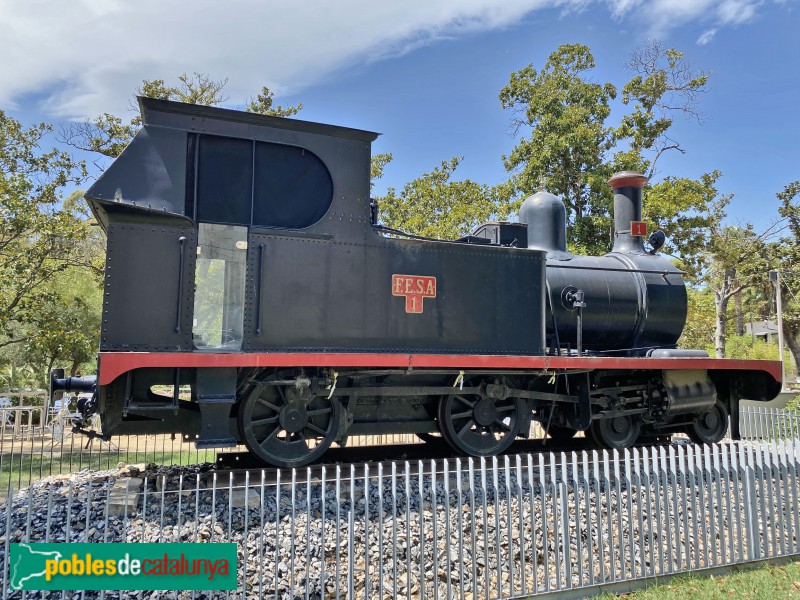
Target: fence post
column 6, row 566
column 751, row 513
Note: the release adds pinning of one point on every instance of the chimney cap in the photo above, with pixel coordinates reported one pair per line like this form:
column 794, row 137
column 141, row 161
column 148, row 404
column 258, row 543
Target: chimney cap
column 627, row 179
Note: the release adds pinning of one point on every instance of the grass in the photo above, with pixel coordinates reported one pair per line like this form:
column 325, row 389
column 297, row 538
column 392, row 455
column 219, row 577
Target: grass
column 28, row 465
column 763, row 583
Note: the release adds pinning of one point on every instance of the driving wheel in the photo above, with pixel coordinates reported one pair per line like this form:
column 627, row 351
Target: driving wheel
column 480, row 426
column 287, row 426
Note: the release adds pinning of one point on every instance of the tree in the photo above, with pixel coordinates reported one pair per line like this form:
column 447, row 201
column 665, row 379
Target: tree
column 14, row 377
column 664, row 83
column 109, row 134
column 736, row 258
column 66, row 328
column 787, row 253
column 41, row 234
column 565, row 153
column 572, row 148
column 686, row 210
column 433, row 205
column 721, row 260
column 377, row 165
column 698, row 334
column 263, row 105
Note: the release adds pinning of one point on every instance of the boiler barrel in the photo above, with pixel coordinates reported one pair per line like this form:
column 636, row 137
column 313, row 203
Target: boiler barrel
column 632, row 301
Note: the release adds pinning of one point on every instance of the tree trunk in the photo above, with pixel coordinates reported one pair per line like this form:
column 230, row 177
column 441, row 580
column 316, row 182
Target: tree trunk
column 737, row 309
column 721, row 303
column 50, row 364
column 790, row 333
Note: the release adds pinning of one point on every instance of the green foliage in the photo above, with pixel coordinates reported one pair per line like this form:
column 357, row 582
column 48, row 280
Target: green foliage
column 727, row 260
column 566, row 151
column 376, row 167
column 13, row 377
column 66, row 328
column 434, row 205
column 663, row 83
column 699, row 331
column 263, row 104
column 686, row 210
column 737, row 259
column 198, row 88
column 572, row 148
column 745, row 347
column 40, row 233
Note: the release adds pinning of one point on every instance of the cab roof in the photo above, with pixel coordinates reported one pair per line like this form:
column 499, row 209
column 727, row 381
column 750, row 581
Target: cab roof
column 178, row 115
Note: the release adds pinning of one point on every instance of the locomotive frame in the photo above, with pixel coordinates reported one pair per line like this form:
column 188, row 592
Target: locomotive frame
column 251, row 298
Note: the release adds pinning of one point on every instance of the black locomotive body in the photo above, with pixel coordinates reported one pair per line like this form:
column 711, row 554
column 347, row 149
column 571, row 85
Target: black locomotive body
column 251, row 297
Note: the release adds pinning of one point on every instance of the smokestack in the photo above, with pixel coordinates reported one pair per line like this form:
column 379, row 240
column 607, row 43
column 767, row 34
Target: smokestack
column 627, row 186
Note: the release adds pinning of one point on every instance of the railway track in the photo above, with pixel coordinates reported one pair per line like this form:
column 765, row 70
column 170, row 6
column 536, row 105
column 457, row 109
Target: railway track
column 232, row 469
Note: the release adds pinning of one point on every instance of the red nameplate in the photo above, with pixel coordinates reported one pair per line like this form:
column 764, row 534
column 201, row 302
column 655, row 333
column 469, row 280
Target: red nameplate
column 414, row 288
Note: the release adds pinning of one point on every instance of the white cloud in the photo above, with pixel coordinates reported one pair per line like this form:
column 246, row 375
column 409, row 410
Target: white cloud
column 86, row 57
column 737, row 12
column 664, row 15
column 620, row 8
column 706, row 36
column 95, row 53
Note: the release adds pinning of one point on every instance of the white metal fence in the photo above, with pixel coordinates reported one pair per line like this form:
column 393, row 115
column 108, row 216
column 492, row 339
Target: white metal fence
column 759, row 423
column 504, row 527
column 500, row 528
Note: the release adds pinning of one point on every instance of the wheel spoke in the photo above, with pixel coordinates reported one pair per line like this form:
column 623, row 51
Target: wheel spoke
column 313, row 427
column 260, row 400
column 270, row 436
column 464, row 400
column 265, row 420
column 466, row 426
column 465, row 434
column 461, row 415
column 501, row 424
column 319, row 411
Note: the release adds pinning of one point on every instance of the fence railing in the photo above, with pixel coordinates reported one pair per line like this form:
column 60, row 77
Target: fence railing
column 762, row 423
column 35, row 444
column 503, row 527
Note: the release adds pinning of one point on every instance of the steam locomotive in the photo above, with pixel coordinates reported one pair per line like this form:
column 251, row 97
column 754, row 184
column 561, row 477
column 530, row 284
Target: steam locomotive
column 251, row 297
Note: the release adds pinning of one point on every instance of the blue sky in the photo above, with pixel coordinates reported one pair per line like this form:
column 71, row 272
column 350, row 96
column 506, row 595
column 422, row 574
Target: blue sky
column 425, row 74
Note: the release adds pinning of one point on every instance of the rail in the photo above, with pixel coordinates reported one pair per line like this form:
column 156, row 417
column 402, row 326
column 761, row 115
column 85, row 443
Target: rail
column 41, row 444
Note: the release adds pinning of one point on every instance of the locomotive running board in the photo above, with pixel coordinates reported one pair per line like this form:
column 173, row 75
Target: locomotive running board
column 114, row 364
